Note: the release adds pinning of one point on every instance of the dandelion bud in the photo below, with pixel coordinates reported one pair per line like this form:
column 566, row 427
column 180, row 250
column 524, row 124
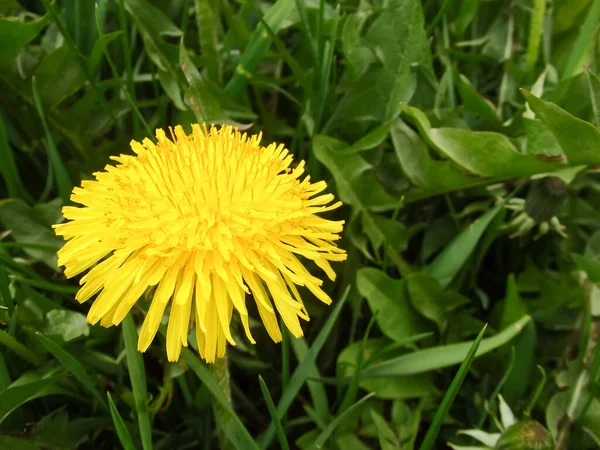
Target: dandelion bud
column 526, row 435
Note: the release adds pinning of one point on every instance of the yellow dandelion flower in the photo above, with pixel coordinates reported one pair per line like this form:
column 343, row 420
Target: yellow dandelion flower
column 206, row 218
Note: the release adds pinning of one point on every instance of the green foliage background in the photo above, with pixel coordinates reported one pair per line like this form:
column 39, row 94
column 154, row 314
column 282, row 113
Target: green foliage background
column 461, row 135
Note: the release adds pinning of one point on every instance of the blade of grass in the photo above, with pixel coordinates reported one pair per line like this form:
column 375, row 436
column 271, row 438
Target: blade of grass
column 305, row 26
column 327, row 432
column 6, row 300
column 585, row 38
column 120, row 428
column 207, row 35
column 285, row 355
column 274, row 415
column 257, row 47
column 60, row 172
column 300, row 375
column 8, row 168
column 535, row 33
column 283, row 51
column 53, row 287
column 117, row 77
column 447, row 264
column 325, row 71
column 436, row 358
column 80, row 59
column 4, row 375
column 10, row 342
column 535, row 396
column 492, row 399
column 239, row 434
column 137, row 374
column 74, row 367
column 352, row 390
column 442, row 411
column 316, row 389
column 439, row 16
column 126, row 59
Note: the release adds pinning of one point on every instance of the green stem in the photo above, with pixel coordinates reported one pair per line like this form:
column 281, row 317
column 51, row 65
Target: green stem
column 220, row 370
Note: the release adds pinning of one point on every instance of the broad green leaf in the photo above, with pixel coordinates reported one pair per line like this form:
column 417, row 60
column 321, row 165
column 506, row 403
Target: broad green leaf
column 358, row 190
column 428, row 298
column 398, row 388
column 540, row 140
column 436, row 358
column 484, row 154
column 433, row 176
column 397, row 37
column 381, row 229
column 65, row 324
column 353, row 176
column 370, row 140
column 31, row 225
column 60, row 73
column 474, row 102
column 397, row 318
column 588, row 265
column 154, row 25
column 579, row 140
column 16, row 34
column 488, row 154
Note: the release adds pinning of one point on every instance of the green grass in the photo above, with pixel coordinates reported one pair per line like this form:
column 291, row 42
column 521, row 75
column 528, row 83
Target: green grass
column 461, row 135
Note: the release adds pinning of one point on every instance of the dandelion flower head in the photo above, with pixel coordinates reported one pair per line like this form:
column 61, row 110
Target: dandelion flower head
column 198, row 221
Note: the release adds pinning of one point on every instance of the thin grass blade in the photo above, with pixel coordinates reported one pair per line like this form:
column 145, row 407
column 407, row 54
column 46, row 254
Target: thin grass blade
column 121, row 429
column 137, row 374
column 436, row 358
column 8, row 168
column 60, row 172
column 302, row 371
column 239, row 436
column 327, row 432
column 257, row 47
column 274, row 414
column 74, row 367
column 434, row 428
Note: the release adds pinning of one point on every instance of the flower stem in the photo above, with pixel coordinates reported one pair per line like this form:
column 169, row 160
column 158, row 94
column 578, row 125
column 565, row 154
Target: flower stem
column 220, row 370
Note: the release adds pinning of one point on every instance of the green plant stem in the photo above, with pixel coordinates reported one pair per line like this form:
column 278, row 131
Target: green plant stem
column 220, row 371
